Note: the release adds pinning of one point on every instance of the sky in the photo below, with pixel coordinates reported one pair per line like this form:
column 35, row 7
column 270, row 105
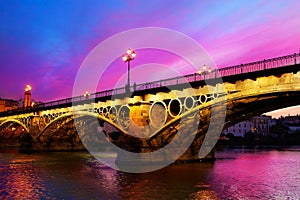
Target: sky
column 44, row 42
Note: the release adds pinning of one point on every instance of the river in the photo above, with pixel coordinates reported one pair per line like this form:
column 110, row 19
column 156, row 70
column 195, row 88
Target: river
column 239, row 173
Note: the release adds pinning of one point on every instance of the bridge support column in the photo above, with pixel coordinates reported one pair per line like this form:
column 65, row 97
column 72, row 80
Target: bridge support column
column 28, row 143
column 192, row 153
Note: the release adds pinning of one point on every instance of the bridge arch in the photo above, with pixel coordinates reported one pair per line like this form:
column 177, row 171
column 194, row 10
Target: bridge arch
column 246, row 113
column 257, row 105
column 236, row 113
column 244, row 103
column 15, row 121
column 80, row 114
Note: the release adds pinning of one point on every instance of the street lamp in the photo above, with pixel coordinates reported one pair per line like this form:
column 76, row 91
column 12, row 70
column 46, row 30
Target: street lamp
column 205, row 71
column 86, row 94
column 130, row 55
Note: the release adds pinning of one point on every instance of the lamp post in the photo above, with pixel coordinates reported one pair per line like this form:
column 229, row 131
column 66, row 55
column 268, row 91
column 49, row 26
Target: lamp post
column 86, row 94
column 205, row 71
column 130, row 55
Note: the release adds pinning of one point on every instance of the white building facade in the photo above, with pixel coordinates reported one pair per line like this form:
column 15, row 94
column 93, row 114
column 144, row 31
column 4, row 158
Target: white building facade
column 259, row 125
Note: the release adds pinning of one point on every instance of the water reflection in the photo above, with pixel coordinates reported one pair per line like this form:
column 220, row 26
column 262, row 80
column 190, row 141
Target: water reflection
column 173, row 182
column 20, row 180
column 237, row 174
column 257, row 174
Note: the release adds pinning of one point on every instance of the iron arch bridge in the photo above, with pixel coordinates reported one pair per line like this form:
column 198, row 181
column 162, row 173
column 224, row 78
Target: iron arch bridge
column 154, row 113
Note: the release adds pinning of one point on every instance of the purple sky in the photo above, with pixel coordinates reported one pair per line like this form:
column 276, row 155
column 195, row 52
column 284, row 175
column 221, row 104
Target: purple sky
column 43, row 43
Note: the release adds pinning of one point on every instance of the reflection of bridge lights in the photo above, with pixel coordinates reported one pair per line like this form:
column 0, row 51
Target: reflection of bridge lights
column 28, row 88
column 127, row 58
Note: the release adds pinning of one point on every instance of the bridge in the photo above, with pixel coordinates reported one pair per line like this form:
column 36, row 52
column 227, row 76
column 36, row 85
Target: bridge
column 158, row 113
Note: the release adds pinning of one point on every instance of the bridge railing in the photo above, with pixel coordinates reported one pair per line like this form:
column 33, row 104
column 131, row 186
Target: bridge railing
column 283, row 61
column 227, row 71
column 272, row 63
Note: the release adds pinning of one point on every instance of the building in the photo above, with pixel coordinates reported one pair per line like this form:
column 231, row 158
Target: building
column 262, row 124
column 27, row 97
column 8, row 104
column 293, row 122
column 240, row 128
column 259, row 124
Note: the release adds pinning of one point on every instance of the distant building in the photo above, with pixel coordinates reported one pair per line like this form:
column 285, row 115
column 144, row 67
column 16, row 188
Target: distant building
column 294, row 128
column 293, row 122
column 8, row 104
column 27, row 97
column 260, row 124
column 240, row 128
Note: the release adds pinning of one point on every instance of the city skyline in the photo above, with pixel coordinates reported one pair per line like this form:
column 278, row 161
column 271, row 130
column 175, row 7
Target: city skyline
column 43, row 43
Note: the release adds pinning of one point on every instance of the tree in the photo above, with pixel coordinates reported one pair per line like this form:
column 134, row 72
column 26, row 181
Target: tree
column 279, row 129
column 249, row 138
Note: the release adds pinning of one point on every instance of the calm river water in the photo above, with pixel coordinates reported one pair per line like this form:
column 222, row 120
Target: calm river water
column 236, row 174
